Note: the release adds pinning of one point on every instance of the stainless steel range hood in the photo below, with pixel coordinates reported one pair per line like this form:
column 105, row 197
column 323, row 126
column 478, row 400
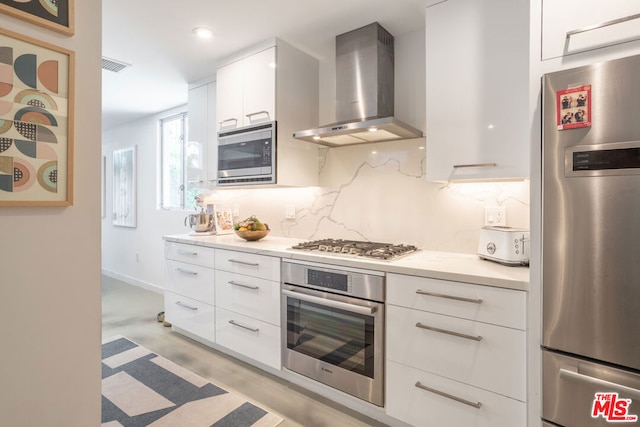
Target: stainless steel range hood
column 364, row 92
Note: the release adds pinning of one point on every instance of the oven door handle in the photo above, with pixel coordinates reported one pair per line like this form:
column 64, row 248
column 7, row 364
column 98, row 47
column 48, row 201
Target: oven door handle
column 359, row 309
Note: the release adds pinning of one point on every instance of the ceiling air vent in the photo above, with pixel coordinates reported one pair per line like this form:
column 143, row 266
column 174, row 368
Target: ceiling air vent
column 113, row 65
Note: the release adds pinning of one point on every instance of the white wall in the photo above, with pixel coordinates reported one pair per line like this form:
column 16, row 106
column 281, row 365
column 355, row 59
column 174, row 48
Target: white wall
column 377, row 192
column 135, row 254
column 50, row 267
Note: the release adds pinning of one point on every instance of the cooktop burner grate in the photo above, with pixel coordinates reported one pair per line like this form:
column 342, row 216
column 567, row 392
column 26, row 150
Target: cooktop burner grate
column 358, row 248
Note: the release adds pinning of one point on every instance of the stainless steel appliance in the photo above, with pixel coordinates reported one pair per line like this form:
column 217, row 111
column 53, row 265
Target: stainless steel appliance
column 334, row 319
column 591, row 245
column 376, row 250
column 364, row 92
column 247, row 155
column 504, row 245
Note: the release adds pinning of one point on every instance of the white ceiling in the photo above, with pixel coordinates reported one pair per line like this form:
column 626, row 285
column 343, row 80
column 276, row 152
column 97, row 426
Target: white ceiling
column 165, row 56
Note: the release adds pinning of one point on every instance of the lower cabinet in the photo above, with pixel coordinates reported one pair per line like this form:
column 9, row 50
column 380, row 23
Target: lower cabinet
column 248, row 336
column 226, row 297
column 193, row 316
column 428, row 400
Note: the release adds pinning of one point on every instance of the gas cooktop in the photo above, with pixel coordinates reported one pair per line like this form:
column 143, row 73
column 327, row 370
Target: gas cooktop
column 357, row 248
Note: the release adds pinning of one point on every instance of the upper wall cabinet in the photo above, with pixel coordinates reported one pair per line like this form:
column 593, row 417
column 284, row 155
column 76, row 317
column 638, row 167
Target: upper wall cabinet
column 477, row 71
column 274, row 82
column 202, row 134
column 572, row 26
column 247, row 90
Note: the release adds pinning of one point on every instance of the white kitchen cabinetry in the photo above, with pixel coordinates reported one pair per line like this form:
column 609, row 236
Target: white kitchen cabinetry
column 572, row 26
column 477, row 82
column 274, row 82
column 189, row 289
column 202, row 135
column 247, row 92
column 456, row 353
column 248, row 305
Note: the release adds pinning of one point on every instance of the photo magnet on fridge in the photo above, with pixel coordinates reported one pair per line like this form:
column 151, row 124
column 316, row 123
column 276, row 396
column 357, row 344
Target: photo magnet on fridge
column 573, row 108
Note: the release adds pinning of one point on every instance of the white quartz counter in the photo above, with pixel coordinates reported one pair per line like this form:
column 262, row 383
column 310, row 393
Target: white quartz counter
column 438, row 265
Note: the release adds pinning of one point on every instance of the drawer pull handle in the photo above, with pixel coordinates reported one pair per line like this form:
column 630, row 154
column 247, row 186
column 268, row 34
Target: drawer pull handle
column 444, row 331
column 433, row 294
column 233, row 119
column 243, row 326
column 476, row 165
column 476, row 405
column 190, row 307
column 255, row 288
column 183, row 271
column 250, row 115
column 602, row 25
column 251, row 264
column 188, row 253
column 570, row 375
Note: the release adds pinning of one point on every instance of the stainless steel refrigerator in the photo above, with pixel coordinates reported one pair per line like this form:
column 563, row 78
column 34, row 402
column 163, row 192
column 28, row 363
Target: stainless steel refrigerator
column 591, row 245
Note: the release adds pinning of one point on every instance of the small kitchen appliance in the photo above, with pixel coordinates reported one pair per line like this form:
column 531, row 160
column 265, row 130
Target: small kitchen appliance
column 505, row 245
column 200, row 223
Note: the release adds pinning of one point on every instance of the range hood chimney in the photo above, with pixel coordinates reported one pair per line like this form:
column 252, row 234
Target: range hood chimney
column 364, row 92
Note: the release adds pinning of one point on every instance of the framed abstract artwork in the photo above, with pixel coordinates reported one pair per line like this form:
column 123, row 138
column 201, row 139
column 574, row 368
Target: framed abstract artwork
column 36, row 122
column 124, row 187
column 56, row 15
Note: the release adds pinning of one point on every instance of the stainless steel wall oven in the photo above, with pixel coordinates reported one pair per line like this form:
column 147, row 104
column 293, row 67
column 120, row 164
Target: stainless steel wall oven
column 334, row 319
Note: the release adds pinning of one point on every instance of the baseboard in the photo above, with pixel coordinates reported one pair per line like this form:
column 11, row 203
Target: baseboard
column 135, row 282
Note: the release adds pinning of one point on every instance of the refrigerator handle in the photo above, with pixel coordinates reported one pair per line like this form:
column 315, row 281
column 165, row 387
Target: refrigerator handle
column 570, row 375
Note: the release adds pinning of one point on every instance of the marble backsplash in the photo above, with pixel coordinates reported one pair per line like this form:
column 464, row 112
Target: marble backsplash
column 379, row 192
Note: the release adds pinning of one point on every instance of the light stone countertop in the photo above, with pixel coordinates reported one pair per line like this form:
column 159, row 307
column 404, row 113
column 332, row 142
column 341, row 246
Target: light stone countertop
column 455, row 267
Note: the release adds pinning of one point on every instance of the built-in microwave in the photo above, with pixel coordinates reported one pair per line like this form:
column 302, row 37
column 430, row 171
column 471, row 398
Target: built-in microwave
column 247, row 155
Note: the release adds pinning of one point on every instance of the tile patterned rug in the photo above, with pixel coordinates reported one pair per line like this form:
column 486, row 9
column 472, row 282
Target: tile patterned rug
column 140, row 388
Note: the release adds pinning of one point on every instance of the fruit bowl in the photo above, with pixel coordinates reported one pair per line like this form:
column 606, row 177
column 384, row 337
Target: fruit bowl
column 251, row 229
column 252, row 235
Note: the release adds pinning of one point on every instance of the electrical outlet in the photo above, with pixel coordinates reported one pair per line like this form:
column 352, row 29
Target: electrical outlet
column 495, row 216
column 290, row 212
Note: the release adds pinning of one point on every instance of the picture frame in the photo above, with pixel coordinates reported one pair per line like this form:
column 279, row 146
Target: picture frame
column 124, row 187
column 223, row 219
column 36, row 122
column 57, row 16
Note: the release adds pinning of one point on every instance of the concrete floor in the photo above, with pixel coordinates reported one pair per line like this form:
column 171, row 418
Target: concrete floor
column 131, row 311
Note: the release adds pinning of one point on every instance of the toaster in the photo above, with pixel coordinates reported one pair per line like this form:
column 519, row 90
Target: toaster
column 505, row 245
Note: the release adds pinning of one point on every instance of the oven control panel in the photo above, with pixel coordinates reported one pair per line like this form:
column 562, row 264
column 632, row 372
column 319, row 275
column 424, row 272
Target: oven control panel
column 328, row 280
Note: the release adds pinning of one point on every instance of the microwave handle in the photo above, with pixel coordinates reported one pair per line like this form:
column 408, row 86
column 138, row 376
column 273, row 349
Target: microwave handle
column 368, row 311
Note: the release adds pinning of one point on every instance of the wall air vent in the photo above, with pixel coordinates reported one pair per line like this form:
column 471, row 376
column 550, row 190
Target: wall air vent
column 114, row 65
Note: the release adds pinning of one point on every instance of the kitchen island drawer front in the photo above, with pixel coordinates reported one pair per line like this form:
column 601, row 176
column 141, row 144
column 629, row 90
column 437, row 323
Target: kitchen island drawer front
column 190, row 280
column 498, row 306
column 249, row 295
column 483, row 355
column 426, row 400
column 191, row 315
column 249, row 337
column 262, row 266
column 191, row 254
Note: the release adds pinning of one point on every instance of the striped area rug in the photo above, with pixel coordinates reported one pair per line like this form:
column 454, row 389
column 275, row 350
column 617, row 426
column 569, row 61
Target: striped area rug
column 140, row 388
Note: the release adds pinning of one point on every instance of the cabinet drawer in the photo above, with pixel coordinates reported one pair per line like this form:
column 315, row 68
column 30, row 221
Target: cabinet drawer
column 422, row 408
column 264, row 267
column 193, row 316
column 249, row 337
column 504, row 307
column 190, row 280
column 191, row 254
column 248, row 295
column 483, row 355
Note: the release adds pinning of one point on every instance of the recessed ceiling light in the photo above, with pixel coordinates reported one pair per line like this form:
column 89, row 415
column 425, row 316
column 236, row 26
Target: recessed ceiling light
column 203, row 32
column 373, row 129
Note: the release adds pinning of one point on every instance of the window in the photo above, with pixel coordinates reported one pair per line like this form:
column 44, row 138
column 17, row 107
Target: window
column 181, row 163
